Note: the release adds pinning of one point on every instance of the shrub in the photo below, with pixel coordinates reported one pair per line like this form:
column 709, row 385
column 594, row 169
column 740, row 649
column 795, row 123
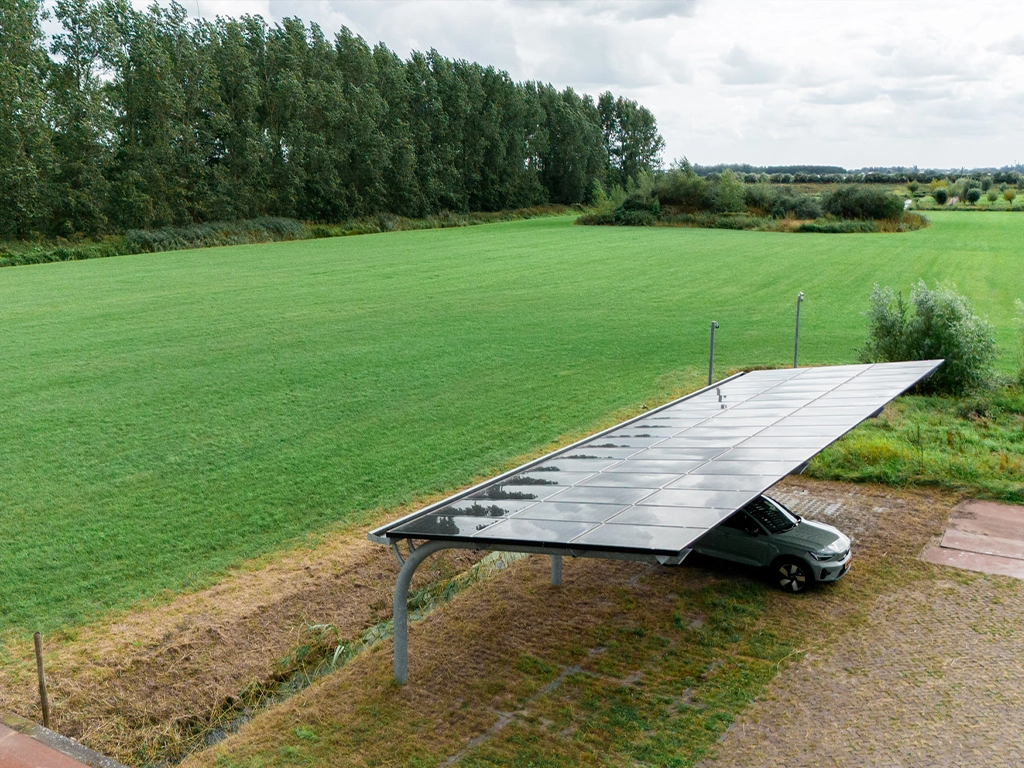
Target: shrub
column 860, row 202
column 973, row 195
column 940, row 195
column 728, row 193
column 1009, row 193
column 791, row 203
column 942, row 325
column 262, row 230
column 634, row 218
column 992, row 195
column 683, row 188
column 832, row 225
column 760, row 197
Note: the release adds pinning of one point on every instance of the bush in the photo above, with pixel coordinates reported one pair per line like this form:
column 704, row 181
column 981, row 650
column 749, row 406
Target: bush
column 760, row 197
column 262, row 230
column 973, row 195
column 1009, row 193
column 942, row 325
column 830, row 225
column 798, row 206
column 729, row 193
column 992, row 195
column 859, row 202
column 634, row 218
column 684, row 189
column 940, row 195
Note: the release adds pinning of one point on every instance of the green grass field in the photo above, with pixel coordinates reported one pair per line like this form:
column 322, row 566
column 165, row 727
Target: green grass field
column 166, row 416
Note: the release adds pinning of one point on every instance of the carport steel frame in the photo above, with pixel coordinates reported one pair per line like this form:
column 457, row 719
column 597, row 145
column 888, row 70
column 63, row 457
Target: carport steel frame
column 417, row 554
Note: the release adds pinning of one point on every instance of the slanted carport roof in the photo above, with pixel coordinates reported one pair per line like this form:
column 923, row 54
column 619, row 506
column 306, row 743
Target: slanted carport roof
column 648, row 488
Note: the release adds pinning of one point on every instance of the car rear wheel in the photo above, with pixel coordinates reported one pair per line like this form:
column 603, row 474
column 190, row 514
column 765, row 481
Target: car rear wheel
column 793, row 575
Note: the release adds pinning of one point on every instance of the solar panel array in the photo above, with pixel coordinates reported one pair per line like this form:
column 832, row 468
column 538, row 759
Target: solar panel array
column 655, row 484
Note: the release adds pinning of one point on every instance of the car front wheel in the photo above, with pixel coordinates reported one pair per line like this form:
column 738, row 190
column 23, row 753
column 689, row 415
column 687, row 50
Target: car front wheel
column 793, row 575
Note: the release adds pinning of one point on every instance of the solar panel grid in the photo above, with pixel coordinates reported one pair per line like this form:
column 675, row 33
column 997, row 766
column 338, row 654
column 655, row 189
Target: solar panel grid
column 659, row 482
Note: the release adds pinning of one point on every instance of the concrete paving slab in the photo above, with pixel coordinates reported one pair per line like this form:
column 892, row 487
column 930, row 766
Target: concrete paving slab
column 25, row 744
column 984, row 536
column 20, row 751
column 974, row 561
column 985, row 545
column 989, row 518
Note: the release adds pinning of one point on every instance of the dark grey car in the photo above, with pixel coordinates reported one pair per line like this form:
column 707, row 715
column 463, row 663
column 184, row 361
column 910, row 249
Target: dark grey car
column 796, row 551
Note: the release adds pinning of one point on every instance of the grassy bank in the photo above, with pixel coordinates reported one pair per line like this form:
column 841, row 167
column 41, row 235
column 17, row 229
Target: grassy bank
column 268, row 229
column 974, row 445
column 166, row 416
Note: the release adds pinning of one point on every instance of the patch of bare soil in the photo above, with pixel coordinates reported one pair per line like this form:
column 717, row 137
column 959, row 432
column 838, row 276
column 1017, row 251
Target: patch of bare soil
column 148, row 684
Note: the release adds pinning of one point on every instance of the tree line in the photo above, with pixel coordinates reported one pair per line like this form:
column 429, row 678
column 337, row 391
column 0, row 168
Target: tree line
column 137, row 119
column 834, row 174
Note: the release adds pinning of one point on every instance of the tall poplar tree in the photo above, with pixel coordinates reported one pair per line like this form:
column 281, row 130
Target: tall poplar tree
column 25, row 147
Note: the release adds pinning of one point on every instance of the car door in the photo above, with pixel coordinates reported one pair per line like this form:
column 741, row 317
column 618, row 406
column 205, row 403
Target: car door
column 739, row 538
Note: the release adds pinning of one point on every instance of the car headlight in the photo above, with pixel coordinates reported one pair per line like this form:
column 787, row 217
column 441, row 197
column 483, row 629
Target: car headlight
column 823, row 555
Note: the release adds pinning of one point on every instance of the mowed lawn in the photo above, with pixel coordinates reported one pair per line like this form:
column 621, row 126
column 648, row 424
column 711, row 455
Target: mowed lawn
column 166, row 416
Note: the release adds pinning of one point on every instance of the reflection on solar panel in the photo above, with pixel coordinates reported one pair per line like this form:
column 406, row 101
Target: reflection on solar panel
column 655, row 484
column 649, row 487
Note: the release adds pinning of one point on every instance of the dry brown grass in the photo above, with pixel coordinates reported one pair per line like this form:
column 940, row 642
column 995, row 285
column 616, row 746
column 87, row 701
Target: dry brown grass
column 151, row 683
column 490, row 661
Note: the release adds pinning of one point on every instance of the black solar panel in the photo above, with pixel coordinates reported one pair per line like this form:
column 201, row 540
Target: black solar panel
column 655, row 484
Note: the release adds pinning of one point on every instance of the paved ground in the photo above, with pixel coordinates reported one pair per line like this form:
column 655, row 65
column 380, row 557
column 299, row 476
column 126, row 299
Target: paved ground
column 982, row 536
column 933, row 675
column 24, row 744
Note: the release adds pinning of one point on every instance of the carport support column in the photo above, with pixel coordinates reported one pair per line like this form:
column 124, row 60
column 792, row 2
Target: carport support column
column 556, row 570
column 401, row 605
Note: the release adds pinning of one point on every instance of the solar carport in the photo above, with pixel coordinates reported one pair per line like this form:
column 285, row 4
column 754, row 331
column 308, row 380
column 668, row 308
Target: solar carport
column 648, row 488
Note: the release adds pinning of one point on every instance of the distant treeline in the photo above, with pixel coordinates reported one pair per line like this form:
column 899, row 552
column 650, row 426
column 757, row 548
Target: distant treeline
column 132, row 119
column 834, row 174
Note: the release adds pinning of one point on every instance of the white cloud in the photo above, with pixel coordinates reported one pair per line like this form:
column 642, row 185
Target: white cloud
column 872, row 82
column 740, row 67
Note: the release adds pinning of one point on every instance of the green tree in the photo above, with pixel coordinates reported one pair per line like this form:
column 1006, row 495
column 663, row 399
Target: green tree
column 631, row 139
column 80, row 119
column 25, row 146
column 572, row 159
column 729, row 193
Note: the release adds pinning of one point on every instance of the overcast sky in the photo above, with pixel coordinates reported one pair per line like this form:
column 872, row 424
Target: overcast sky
column 828, row 82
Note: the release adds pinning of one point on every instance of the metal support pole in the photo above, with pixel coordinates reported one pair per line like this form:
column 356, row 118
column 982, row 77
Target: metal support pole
column 401, row 605
column 711, row 355
column 556, row 570
column 796, row 342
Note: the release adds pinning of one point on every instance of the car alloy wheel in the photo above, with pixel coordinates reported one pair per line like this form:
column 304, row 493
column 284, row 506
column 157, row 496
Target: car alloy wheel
column 793, row 576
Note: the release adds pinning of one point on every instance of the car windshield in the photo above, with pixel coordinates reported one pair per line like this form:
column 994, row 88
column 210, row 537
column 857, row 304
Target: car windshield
column 772, row 516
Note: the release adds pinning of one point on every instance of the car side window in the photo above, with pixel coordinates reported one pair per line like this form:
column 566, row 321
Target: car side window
column 741, row 521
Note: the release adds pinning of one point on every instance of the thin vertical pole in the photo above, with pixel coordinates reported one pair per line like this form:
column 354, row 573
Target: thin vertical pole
column 38, row 640
column 796, row 342
column 556, row 570
column 711, row 354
